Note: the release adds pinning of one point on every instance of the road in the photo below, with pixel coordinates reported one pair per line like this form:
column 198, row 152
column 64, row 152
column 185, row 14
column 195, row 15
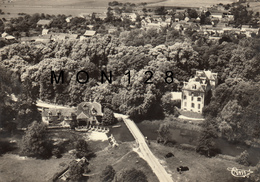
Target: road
column 147, row 155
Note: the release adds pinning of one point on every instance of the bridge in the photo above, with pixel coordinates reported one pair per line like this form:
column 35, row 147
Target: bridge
column 146, row 153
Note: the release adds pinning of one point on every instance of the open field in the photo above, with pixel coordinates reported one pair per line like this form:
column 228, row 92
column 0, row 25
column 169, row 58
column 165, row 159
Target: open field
column 75, row 7
column 55, row 7
column 254, row 6
column 79, row 3
column 13, row 168
column 201, row 169
column 191, row 3
column 121, row 158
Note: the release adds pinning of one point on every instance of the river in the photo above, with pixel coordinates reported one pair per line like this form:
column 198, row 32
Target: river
column 184, row 136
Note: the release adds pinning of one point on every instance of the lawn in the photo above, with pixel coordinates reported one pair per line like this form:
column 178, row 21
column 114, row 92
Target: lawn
column 201, row 169
column 192, row 3
column 55, row 7
column 13, row 168
column 254, row 6
column 121, row 158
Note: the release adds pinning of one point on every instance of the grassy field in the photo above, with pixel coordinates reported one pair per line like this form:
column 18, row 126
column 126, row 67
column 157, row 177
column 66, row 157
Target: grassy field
column 15, row 169
column 201, row 169
column 75, row 7
column 254, row 6
column 55, row 7
column 79, row 3
column 121, row 158
column 191, row 3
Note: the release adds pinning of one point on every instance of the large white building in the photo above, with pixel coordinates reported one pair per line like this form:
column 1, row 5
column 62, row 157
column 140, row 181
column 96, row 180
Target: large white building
column 195, row 91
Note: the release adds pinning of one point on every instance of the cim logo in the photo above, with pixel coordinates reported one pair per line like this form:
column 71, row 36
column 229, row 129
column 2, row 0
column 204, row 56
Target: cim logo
column 239, row 172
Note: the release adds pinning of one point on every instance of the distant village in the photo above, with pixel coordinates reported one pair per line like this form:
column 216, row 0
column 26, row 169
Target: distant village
column 211, row 22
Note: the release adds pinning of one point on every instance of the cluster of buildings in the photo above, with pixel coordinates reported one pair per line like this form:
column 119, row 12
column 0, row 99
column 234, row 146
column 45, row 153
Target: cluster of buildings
column 220, row 18
column 85, row 114
column 48, row 36
column 220, row 22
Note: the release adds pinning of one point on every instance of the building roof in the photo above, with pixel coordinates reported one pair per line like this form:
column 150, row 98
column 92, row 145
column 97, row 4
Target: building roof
column 88, row 107
column 82, row 116
column 62, row 111
column 4, row 34
column 194, row 86
column 98, row 108
column 28, row 39
column 44, row 22
column 176, row 95
column 45, row 31
column 89, row 33
column 208, row 74
column 9, row 37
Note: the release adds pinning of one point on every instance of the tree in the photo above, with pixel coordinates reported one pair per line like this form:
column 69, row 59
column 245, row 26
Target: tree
column 160, row 10
column 168, row 104
column 107, row 174
column 35, row 141
column 163, row 133
column 76, row 169
column 82, row 149
column 133, row 175
column 108, row 118
column 243, row 158
column 256, row 175
column 192, row 13
column 206, row 144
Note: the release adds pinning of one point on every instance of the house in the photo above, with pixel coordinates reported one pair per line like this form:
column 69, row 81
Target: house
column 90, row 27
column 89, row 33
column 112, row 30
column 87, row 16
column 44, row 23
column 180, row 10
column 45, row 31
column 156, row 26
column 63, row 36
column 28, row 39
column 248, row 30
column 43, row 38
column 197, row 89
column 101, row 16
column 62, row 116
column 89, row 113
column 86, row 113
column 9, row 37
column 216, row 16
column 130, row 16
column 4, row 34
column 176, row 95
column 68, row 19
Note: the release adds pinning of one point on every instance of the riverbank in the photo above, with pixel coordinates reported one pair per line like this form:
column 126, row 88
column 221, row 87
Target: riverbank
column 200, row 167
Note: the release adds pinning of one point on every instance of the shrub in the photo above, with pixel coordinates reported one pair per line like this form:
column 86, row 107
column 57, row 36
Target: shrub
column 133, row 175
column 243, row 158
column 35, row 142
column 56, row 152
column 107, row 174
column 108, row 118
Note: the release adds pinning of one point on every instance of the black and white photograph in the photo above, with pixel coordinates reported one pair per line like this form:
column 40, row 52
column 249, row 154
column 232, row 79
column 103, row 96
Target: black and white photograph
column 129, row 91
